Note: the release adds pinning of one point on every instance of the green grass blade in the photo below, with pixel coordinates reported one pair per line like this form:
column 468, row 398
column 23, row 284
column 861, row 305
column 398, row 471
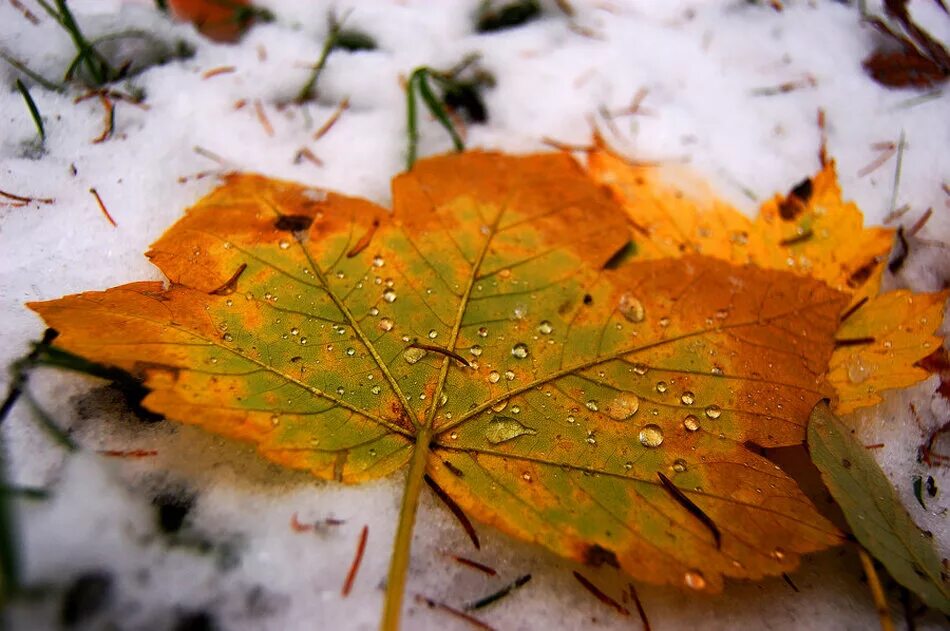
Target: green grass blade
column 34, row 111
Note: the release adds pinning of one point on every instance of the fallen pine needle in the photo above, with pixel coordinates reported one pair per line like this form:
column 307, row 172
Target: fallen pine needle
column 27, row 200
column 877, row 592
column 128, row 453
column 472, row 620
column 214, row 72
column 501, row 593
column 599, row 595
column 640, row 609
column 887, row 151
column 357, row 559
column 109, row 119
column 262, row 117
column 305, row 154
column 334, row 117
column 102, row 207
column 481, row 567
column 455, row 510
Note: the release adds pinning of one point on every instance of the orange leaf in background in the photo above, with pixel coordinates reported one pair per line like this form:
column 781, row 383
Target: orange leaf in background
column 220, row 20
column 812, row 232
column 476, row 335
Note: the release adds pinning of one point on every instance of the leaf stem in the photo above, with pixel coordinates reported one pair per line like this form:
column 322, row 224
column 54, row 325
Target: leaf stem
column 877, row 591
column 402, row 544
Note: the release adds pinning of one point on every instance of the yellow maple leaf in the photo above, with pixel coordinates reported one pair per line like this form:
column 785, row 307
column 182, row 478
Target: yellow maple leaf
column 813, row 232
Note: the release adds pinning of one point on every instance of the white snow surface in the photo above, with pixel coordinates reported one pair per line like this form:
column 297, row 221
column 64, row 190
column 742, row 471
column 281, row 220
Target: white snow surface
column 237, row 558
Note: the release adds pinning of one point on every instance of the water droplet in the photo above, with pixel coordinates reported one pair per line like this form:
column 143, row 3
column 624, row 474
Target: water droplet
column 284, row 245
column 623, row 406
column 275, row 420
column 858, row 370
column 778, row 554
column 228, row 302
column 519, row 350
column 651, row 436
column 227, row 245
column 228, row 337
column 376, row 389
column 687, row 398
column 691, row 423
column 501, row 405
column 694, row 580
column 628, row 465
column 591, row 439
column 510, row 375
column 294, row 331
column 350, row 352
column 515, row 409
column 386, row 324
column 494, row 376
column 482, row 332
column 340, row 275
column 640, row 369
column 526, row 476
column 389, row 294
column 571, row 420
column 378, row 261
column 631, row 308
column 661, row 386
column 475, row 350
column 372, row 452
column 413, row 354
column 664, row 322
column 340, row 390
column 713, row 411
column 545, row 328
column 373, row 311
column 503, row 428
column 214, row 360
column 443, row 399
column 303, row 340
column 679, row 465
column 592, row 405
column 433, row 334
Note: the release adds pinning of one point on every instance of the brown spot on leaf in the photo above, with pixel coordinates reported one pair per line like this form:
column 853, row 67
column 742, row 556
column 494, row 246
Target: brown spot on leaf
column 794, row 203
column 293, row 223
column 596, row 555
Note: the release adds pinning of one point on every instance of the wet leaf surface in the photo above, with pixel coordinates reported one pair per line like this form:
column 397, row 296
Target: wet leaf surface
column 601, row 412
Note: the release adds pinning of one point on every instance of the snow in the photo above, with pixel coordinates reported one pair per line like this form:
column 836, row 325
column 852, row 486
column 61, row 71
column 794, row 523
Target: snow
column 236, row 558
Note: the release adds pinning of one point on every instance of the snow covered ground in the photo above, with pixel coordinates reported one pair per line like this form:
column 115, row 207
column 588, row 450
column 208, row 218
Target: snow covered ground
column 236, row 562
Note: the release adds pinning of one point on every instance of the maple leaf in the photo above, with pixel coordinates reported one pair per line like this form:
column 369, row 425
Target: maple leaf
column 811, row 232
column 477, row 335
